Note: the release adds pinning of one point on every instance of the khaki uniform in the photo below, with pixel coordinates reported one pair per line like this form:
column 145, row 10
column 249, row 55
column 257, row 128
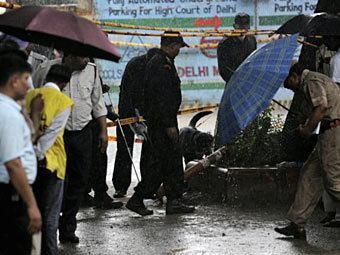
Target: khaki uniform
column 322, row 169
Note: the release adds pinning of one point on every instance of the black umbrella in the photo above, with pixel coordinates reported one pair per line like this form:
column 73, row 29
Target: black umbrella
column 322, row 24
column 294, row 25
column 62, row 30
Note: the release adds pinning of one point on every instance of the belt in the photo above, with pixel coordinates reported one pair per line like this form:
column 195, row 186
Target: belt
column 328, row 124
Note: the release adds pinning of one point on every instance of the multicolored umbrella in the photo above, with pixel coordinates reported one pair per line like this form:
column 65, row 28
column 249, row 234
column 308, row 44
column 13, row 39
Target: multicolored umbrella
column 253, row 85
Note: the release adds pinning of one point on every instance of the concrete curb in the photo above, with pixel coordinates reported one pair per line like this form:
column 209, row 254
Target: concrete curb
column 238, row 185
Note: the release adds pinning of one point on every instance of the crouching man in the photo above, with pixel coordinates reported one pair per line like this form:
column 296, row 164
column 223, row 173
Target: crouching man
column 322, row 169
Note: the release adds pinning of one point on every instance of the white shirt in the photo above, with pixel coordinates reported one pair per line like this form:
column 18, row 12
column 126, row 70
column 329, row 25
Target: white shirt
column 15, row 140
column 51, row 133
column 85, row 90
column 335, row 67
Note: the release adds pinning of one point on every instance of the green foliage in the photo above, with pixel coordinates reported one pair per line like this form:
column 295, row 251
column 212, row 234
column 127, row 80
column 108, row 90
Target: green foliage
column 258, row 144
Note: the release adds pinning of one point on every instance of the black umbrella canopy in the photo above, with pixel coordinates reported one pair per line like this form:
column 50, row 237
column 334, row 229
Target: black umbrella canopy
column 62, row 30
column 297, row 24
column 323, row 25
column 294, row 25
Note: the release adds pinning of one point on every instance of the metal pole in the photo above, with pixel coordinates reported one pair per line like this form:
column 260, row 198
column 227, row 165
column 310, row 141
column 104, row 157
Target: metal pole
column 128, row 149
column 126, row 144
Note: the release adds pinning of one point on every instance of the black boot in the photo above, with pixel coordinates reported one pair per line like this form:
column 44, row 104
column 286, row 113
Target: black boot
column 136, row 205
column 292, row 230
column 68, row 238
column 104, row 201
column 177, row 207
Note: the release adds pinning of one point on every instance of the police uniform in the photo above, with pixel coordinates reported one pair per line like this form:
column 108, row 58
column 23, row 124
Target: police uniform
column 162, row 101
column 322, row 168
column 131, row 97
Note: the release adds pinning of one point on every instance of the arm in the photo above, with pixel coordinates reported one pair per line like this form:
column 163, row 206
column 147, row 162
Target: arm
column 307, row 129
column 318, row 96
column 103, row 138
column 36, row 106
column 160, row 93
column 18, row 179
column 48, row 138
column 12, row 145
column 99, row 112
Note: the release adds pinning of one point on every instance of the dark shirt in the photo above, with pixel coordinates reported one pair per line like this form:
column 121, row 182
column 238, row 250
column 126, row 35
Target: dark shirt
column 131, row 95
column 131, row 87
column 231, row 52
column 163, row 95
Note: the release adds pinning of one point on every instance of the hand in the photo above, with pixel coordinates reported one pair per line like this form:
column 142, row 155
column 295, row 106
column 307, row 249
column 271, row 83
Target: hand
column 103, row 141
column 37, row 104
column 105, row 88
column 172, row 133
column 35, row 219
column 304, row 131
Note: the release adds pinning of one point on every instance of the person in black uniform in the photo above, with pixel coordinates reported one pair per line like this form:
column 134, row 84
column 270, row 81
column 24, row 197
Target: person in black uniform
column 162, row 101
column 131, row 97
column 232, row 51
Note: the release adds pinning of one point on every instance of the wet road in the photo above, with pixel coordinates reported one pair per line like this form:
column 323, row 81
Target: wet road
column 212, row 229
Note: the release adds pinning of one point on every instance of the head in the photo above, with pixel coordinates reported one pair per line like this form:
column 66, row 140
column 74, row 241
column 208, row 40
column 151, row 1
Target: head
column 75, row 63
column 14, row 74
column 60, row 75
column 293, row 79
column 204, row 144
column 242, row 21
column 172, row 44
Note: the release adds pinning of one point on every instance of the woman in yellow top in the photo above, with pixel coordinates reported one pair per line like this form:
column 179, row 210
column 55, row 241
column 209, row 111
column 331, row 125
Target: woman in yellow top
column 50, row 152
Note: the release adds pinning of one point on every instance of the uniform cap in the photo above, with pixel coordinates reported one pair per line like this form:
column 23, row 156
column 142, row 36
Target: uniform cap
column 167, row 40
column 242, row 20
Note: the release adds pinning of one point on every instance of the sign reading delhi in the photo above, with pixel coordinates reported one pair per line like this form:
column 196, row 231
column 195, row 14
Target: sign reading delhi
column 197, row 68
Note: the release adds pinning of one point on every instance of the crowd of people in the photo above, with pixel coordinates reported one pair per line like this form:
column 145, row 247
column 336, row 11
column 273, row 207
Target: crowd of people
column 53, row 138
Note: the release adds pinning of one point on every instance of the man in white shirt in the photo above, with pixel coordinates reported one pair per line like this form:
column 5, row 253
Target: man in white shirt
column 85, row 90
column 18, row 166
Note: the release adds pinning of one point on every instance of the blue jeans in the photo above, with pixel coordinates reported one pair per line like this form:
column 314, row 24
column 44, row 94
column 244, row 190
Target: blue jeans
column 48, row 189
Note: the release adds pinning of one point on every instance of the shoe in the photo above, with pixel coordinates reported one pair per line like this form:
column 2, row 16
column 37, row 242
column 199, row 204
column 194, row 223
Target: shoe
column 136, row 205
column 332, row 224
column 330, row 216
column 104, row 201
column 292, row 230
column 68, row 238
column 88, row 201
column 119, row 194
column 176, row 207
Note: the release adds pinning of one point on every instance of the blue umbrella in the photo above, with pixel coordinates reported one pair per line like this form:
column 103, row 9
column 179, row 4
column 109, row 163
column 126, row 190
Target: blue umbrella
column 253, row 85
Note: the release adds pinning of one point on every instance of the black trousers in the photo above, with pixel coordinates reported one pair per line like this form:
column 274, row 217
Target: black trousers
column 98, row 171
column 14, row 235
column 121, row 177
column 78, row 145
column 164, row 165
